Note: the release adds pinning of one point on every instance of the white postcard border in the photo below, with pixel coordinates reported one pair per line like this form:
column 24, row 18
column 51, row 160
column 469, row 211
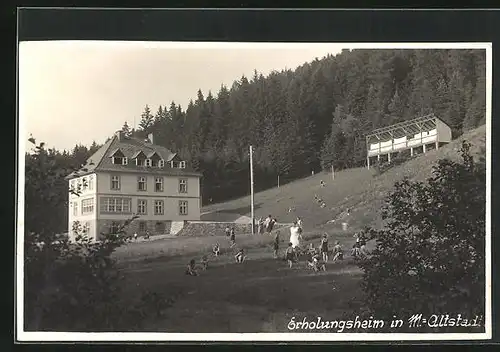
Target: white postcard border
column 26, row 336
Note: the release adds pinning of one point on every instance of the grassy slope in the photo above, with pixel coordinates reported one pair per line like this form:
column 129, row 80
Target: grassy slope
column 360, row 189
column 262, row 294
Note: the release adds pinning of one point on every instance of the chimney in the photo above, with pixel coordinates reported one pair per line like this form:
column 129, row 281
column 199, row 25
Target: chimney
column 119, row 134
column 150, row 137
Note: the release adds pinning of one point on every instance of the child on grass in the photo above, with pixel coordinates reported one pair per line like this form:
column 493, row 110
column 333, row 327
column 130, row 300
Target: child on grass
column 204, row 262
column 338, row 253
column 191, row 268
column 216, row 249
column 240, row 256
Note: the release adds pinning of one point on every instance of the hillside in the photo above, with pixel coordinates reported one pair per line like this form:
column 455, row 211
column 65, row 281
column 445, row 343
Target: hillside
column 359, row 189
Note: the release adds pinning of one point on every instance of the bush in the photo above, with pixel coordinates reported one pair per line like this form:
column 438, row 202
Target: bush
column 430, row 256
column 72, row 286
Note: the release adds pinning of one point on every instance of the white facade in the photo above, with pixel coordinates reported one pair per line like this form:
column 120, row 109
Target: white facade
column 82, row 207
column 117, row 196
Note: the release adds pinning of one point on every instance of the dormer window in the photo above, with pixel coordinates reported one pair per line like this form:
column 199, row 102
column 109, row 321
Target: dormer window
column 182, row 165
column 118, row 158
column 161, row 163
column 119, row 161
column 155, row 159
column 148, row 162
column 140, row 158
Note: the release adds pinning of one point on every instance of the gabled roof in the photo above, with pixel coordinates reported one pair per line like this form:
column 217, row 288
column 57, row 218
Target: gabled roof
column 117, row 152
column 153, row 153
column 139, row 153
column 130, row 147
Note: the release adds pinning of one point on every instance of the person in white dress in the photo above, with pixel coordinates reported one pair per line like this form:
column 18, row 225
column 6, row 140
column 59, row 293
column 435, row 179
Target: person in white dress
column 295, row 235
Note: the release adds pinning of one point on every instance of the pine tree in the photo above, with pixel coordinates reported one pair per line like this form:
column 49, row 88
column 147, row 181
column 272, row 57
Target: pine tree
column 147, row 120
column 126, row 129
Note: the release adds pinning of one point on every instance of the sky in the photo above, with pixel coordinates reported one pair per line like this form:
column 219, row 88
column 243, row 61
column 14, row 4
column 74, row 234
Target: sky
column 75, row 92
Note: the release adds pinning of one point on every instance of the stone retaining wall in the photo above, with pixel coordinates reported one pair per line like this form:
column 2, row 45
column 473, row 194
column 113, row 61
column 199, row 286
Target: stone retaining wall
column 207, row 228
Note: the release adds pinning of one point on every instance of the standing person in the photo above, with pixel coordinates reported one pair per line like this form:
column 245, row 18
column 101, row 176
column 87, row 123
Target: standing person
column 147, row 235
column 261, row 225
column 295, row 235
column 290, row 255
column 267, row 223
column 135, row 236
column 355, row 250
column 276, row 244
column 324, row 247
column 271, row 224
column 227, row 231
column 232, row 237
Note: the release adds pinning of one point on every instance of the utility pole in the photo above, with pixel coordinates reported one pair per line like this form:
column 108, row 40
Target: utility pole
column 333, row 174
column 278, row 181
column 251, row 190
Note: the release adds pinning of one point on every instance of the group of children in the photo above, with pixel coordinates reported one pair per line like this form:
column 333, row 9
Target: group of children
column 320, row 201
column 239, row 257
column 316, row 259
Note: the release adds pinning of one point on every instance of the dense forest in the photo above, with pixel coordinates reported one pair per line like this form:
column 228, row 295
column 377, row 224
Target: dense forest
column 318, row 115
column 312, row 117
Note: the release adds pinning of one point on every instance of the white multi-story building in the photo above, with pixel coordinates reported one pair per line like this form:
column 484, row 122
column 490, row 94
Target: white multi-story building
column 129, row 176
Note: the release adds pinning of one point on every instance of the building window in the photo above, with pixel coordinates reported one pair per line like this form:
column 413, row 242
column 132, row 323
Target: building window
column 85, row 184
column 91, row 183
column 115, row 182
column 75, row 208
column 154, row 163
column 161, row 163
column 139, row 162
column 72, row 185
column 79, row 185
column 142, row 206
column 158, row 184
column 148, row 162
column 158, row 207
column 183, row 207
column 116, row 205
column 118, row 160
column 88, row 206
column 141, row 183
column 143, row 226
column 183, row 187
column 182, row 165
